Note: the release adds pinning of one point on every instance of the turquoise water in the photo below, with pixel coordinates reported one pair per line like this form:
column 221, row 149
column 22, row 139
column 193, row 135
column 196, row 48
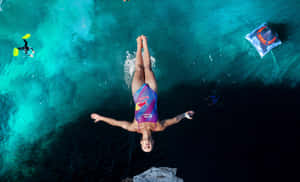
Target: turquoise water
column 84, row 51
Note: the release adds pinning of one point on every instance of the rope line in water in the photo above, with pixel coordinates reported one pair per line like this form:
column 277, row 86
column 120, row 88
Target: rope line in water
column 275, row 68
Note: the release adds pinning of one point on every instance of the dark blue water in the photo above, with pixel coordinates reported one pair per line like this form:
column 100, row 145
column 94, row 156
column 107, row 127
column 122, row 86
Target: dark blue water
column 84, row 62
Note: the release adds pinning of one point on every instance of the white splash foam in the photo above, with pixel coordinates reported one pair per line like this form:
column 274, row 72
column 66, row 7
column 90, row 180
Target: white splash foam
column 129, row 66
column 210, row 58
column 1, row 1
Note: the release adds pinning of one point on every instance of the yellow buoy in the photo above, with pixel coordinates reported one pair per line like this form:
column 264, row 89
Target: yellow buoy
column 26, row 36
column 16, row 52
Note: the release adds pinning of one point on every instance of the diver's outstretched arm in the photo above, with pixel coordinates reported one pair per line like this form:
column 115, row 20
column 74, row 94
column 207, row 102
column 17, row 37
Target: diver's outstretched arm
column 168, row 122
column 123, row 124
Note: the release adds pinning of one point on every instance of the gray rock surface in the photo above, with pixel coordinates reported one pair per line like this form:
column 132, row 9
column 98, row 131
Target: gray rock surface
column 154, row 174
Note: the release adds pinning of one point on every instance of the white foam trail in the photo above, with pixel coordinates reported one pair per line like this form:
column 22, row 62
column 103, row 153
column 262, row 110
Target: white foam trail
column 275, row 69
column 2, row 4
column 210, row 58
column 129, row 66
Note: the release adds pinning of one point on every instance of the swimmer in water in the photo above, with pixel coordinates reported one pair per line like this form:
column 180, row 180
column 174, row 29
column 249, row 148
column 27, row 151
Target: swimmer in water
column 26, row 49
column 144, row 92
column 213, row 100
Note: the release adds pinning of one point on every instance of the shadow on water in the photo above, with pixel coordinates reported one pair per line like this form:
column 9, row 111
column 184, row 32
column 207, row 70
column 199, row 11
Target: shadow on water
column 251, row 136
column 282, row 29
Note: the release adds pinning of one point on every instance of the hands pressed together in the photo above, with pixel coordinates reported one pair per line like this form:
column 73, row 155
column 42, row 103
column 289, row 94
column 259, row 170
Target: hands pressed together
column 96, row 117
column 189, row 114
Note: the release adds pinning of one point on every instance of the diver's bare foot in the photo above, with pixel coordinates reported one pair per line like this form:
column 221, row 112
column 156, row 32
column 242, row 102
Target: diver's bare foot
column 96, row 117
column 139, row 42
column 144, row 38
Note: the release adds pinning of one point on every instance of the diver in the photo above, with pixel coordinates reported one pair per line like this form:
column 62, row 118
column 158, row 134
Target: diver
column 26, row 49
column 144, row 92
column 213, row 100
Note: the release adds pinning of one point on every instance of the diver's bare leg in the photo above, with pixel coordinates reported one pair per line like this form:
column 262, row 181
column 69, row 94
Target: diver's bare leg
column 149, row 75
column 26, row 43
column 139, row 75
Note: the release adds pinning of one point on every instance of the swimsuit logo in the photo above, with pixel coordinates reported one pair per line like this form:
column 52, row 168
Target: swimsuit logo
column 147, row 115
column 141, row 102
column 138, row 106
column 141, row 99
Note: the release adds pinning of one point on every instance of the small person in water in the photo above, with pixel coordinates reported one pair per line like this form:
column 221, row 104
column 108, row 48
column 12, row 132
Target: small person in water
column 144, row 91
column 26, row 49
column 213, row 100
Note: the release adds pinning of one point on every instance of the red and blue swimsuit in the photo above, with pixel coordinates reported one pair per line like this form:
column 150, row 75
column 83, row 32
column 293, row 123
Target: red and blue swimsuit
column 145, row 104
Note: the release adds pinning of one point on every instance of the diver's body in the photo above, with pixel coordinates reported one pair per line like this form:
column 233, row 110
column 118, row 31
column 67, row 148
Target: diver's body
column 26, row 48
column 144, row 91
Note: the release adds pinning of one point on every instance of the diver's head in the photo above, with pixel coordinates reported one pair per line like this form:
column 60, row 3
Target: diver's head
column 147, row 142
